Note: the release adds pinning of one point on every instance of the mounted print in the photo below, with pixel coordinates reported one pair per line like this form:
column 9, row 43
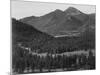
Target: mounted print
column 52, row 37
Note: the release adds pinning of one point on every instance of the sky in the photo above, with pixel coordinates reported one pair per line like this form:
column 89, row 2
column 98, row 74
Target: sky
column 21, row 9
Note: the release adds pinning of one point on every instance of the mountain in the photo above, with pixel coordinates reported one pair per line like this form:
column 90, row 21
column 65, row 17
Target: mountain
column 58, row 22
column 57, row 31
column 41, row 42
column 26, row 19
column 26, row 34
column 72, row 11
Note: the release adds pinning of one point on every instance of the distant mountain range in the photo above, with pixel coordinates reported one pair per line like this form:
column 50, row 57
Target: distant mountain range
column 58, row 30
column 61, row 23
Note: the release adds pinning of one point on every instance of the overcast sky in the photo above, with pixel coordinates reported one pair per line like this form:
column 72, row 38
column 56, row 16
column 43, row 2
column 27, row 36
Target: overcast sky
column 20, row 9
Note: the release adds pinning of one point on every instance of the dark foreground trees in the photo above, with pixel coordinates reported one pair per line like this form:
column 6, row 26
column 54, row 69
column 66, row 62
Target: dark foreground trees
column 22, row 61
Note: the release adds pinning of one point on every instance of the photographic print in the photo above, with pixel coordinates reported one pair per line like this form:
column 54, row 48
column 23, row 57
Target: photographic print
column 52, row 37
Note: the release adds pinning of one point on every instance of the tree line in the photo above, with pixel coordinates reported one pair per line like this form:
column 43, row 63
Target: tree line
column 22, row 60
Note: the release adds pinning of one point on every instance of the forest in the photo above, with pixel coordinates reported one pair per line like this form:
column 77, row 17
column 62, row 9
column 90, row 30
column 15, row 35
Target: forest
column 35, row 52
column 24, row 61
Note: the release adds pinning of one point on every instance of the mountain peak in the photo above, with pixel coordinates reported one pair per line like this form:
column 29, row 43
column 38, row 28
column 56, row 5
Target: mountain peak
column 58, row 10
column 72, row 11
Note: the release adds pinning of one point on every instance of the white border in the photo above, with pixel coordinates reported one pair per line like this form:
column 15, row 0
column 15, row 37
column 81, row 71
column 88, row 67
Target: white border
column 5, row 36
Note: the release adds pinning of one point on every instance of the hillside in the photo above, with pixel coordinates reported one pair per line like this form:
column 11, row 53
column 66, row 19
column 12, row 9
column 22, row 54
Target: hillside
column 27, row 35
column 30, row 37
column 60, row 22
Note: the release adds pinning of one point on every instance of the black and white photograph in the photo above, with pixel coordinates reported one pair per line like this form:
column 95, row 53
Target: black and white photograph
column 52, row 37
